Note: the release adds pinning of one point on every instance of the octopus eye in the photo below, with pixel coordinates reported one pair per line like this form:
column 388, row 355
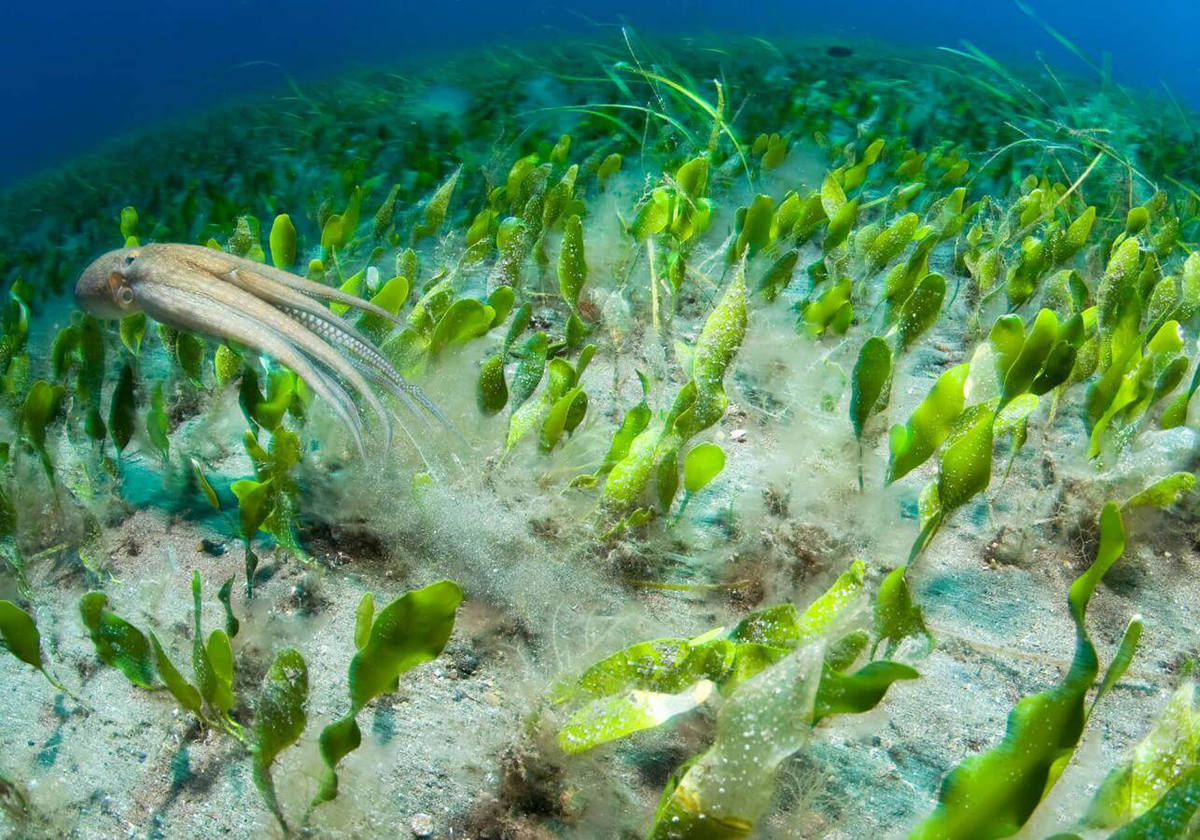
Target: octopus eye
column 125, row 296
column 129, row 259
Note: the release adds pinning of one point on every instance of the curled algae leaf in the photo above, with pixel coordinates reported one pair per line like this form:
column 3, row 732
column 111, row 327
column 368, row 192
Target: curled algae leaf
column 118, row 643
column 283, row 242
column 19, row 636
column 1158, row 786
column 434, row 212
column 869, row 382
column 702, row 464
column 993, row 794
column 572, row 265
column 727, row 788
column 1164, row 492
column 409, row 631
column 646, row 684
column 911, row 444
column 491, row 392
column 920, row 310
column 279, row 720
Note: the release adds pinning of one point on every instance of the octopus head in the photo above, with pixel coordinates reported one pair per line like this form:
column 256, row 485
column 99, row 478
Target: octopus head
column 104, row 289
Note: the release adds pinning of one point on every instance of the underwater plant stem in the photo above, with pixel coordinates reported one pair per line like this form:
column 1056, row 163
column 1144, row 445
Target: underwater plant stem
column 925, row 537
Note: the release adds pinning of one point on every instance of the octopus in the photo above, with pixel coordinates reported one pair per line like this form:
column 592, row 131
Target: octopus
column 264, row 309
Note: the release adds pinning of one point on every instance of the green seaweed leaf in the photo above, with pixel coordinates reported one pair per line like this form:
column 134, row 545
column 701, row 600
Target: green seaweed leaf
column 1164, row 492
column 491, row 391
column 572, row 263
column 993, row 794
column 920, row 310
column 929, row 425
column 118, row 643
column 407, row 632
column 282, row 241
column 184, row 692
column 279, row 720
column 869, row 383
column 19, row 636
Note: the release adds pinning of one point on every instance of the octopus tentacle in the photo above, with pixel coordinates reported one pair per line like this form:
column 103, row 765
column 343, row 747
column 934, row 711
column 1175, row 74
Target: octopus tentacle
column 339, row 332
column 191, row 310
column 309, row 343
column 217, row 262
column 331, row 327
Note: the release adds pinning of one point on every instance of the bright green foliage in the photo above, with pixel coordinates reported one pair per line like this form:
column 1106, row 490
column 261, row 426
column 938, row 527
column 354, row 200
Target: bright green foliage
column 213, row 662
column 1077, row 235
column 42, row 404
column 993, row 794
column 530, row 369
column 572, row 265
column 184, row 692
column 19, row 636
column 283, row 242
column 118, row 643
column 703, row 463
column 1164, row 492
column 609, row 167
column 156, row 424
column 279, row 720
column 653, row 216
column 464, row 320
column 227, row 364
column 1166, row 757
column 700, row 403
column 719, row 342
column 434, row 212
column 1137, row 378
column 890, row 242
column 930, row 423
column 1172, row 816
column 870, row 383
column 966, row 463
column 755, row 231
column 491, row 392
column 920, row 310
column 1175, row 414
column 133, row 330
column 897, row 617
column 778, row 276
column 225, row 596
column 129, row 225
column 281, row 388
column 831, row 311
column 409, row 631
column 768, row 716
column 386, row 214
column 555, row 408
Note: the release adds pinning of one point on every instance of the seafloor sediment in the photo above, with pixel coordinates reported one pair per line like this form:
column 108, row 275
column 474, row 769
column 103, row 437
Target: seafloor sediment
column 613, row 262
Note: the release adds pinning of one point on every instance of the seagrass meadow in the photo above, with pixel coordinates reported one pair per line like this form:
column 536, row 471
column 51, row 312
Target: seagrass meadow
column 820, row 460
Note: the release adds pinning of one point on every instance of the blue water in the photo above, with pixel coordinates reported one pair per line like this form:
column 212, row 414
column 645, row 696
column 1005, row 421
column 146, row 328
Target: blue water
column 74, row 73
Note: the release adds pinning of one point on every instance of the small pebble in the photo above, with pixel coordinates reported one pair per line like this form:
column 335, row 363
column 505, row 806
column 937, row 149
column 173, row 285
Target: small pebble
column 738, row 435
column 421, row 825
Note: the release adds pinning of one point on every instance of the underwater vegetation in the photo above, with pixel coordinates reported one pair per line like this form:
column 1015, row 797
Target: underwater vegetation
column 759, row 408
